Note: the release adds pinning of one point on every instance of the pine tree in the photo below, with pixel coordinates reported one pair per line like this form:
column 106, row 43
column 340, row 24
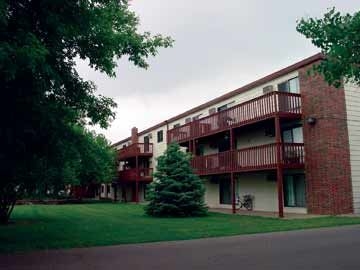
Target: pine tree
column 176, row 190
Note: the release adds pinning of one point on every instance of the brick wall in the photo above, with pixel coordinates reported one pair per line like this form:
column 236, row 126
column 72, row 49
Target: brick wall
column 134, row 135
column 327, row 161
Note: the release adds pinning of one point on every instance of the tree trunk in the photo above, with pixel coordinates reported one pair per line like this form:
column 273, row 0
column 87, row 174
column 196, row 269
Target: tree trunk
column 7, row 203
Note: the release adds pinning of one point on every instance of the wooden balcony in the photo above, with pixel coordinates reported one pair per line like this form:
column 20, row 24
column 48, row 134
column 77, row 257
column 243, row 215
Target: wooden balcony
column 257, row 109
column 136, row 149
column 261, row 157
column 140, row 174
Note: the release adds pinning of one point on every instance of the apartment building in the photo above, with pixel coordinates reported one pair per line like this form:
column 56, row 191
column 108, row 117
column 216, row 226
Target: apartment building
column 288, row 139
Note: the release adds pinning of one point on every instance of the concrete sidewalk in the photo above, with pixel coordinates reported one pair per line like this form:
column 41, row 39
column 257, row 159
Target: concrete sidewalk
column 264, row 213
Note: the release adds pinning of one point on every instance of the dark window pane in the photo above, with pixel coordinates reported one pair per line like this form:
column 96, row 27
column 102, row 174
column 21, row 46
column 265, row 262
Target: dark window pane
column 222, row 108
column 294, row 191
column 283, row 87
column 146, row 144
column 225, row 191
column 160, row 136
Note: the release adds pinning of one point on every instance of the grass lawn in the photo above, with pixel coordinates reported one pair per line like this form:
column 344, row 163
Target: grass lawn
column 84, row 225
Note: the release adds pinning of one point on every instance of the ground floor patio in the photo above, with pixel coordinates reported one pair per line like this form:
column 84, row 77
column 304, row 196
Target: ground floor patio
column 262, row 186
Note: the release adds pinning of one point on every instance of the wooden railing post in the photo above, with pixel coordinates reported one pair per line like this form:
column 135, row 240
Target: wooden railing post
column 279, row 170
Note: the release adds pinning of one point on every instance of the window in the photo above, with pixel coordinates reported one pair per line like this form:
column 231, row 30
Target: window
column 160, row 136
column 293, row 135
column 196, row 117
column 212, row 110
column 225, row 191
column 102, row 188
column 176, row 125
column 294, row 85
column 222, row 108
column 268, row 89
column 146, row 144
column 294, row 190
column 283, row 87
column 200, row 149
column 290, row 86
column 108, row 189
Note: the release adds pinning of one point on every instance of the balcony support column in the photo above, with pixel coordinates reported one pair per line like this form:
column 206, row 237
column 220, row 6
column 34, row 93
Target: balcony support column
column 137, row 180
column 233, row 205
column 232, row 161
column 279, row 168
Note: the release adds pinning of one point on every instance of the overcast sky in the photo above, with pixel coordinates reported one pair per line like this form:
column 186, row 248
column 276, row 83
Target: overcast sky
column 219, row 46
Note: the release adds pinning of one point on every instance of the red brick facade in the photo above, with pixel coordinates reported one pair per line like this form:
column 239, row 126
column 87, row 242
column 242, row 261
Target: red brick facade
column 327, row 155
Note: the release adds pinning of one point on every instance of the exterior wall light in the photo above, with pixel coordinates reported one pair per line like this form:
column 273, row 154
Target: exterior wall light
column 311, row 120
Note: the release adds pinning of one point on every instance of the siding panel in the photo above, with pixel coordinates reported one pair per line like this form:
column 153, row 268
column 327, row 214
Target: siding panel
column 352, row 99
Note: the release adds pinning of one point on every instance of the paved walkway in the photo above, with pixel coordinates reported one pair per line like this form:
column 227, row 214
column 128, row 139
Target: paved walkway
column 320, row 249
column 264, row 213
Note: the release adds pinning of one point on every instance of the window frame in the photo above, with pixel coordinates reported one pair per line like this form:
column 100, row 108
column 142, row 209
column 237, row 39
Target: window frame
column 294, row 177
column 160, row 136
column 222, row 108
column 287, row 85
column 291, row 129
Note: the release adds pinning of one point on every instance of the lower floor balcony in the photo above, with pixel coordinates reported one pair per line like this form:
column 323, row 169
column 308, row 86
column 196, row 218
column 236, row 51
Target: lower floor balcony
column 136, row 174
column 261, row 157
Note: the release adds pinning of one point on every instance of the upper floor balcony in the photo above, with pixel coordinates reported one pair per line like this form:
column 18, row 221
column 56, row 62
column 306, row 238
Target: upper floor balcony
column 263, row 107
column 136, row 174
column 136, row 149
column 262, row 157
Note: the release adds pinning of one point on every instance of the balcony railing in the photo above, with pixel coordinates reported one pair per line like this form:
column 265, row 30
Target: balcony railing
column 140, row 174
column 256, row 109
column 253, row 158
column 136, row 149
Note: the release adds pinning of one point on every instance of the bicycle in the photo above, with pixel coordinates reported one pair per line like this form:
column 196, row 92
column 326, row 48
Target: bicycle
column 246, row 202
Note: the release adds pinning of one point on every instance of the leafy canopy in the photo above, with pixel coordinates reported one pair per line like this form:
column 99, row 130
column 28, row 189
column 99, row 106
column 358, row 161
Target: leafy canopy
column 176, row 190
column 338, row 37
column 42, row 96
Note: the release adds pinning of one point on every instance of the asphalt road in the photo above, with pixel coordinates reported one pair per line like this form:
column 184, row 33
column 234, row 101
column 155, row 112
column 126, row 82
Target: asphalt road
column 320, row 249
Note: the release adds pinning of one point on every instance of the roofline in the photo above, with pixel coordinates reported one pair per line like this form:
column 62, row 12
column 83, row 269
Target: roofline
column 272, row 76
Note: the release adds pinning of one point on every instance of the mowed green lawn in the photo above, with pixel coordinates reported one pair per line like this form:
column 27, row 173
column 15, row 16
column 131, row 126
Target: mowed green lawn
column 84, row 225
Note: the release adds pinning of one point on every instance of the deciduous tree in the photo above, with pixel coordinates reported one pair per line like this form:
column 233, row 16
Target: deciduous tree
column 42, row 95
column 338, row 37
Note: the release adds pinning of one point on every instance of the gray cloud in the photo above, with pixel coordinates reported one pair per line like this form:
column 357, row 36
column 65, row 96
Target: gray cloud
column 219, row 46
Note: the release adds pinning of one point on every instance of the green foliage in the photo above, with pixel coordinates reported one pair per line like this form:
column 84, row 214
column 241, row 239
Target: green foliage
column 338, row 37
column 86, row 158
column 98, row 159
column 176, row 190
column 42, row 96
